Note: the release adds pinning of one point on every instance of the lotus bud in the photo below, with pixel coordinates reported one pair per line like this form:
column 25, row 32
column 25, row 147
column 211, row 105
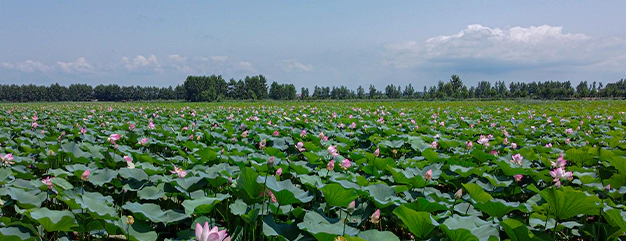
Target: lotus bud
column 270, row 162
column 279, row 172
column 85, row 175
column 130, row 220
column 518, row 177
column 608, row 187
column 429, row 175
column 351, row 206
column 375, row 218
column 458, row 194
column 377, row 152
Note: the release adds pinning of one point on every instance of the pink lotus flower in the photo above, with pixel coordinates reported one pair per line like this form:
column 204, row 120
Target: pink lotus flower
column 143, row 141
column 429, row 175
column 458, row 194
column 375, row 218
column 269, row 193
column 377, row 152
column 549, row 145
column 518, row 177
column 207, row 233
column 483, row 140
column 300, row 147
column 345, row 164
column 114, row 137
column 559, row 174
column 279, row 172
column 469, row 145
column 179, row 172
column 352, row 206
column 35, row 125
column 560, row 162
column 82, row 131
column 7, row 159
column 331, row 165
column 303, row 133
column 85, row 175
column 48, row 182
column 151, row 125
column 262, row 143
column 434, row 145
column 517, row 159
column 131, row 127
column 332, row 150
column 514, row 145
column 244, row 134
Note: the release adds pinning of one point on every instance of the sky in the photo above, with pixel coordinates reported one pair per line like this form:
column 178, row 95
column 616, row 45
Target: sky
column 309, row 43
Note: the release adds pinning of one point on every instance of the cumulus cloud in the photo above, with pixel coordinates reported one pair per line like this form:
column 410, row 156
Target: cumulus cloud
column 219, row 58
column 142, row 63
column 29, row 66
column 293, row 65
column 80, row 65
column 177, row 58
column 6, row 65
column 507, row 49
column 246, row 67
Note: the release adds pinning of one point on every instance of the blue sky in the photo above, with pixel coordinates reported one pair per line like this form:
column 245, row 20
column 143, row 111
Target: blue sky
column 310, row 43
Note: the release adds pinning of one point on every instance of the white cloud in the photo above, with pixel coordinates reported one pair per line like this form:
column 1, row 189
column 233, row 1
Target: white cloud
column 294, row 65
column 511, row 48
column 6, row 65
column 142, row 63
column 219, row 58
column 177, row 58
column 30, row 66
column 245, row 67
column 79, row 65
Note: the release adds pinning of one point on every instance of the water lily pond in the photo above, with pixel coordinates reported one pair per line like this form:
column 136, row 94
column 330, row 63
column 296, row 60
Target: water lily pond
column 313, row 171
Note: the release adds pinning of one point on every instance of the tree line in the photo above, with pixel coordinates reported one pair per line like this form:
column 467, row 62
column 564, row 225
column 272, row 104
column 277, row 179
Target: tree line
column 215, row 88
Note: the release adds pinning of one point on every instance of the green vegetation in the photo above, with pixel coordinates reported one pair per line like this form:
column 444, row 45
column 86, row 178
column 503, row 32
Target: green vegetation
column 313, row 171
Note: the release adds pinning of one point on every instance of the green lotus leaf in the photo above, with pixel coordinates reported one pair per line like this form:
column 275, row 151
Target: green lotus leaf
column 338, row 196
column 154, row 213
column 477, row 193
column 285, row 191
column 27, row 199
column 423, row 205
column 101, row 176
column 375, row 235
column 151, row 193
column 567, row 202
column 203, row 205
column 419, row 223
column 496, row 208
column 53, row 220
column 273, row 229
column 517, row 231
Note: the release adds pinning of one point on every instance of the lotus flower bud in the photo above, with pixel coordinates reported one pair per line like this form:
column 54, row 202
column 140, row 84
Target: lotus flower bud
column 458, row 194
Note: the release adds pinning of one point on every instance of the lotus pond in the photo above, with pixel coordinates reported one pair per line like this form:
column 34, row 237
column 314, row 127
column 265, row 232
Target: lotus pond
column 313, row 171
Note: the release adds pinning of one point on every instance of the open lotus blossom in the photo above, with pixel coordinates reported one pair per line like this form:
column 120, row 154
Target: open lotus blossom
column 206, row 233
column 262, row 143
column 375, row 218
column 143, row 141
column 113, row 137
column 517, row 159
column 151, row 125
column 514, row 145
column 303, row 133
column 129, row 162
column 82, row 131
column 244, row 134
column 560, row 162
column 518, row 177
column 48, row 182
column 434, row 145
column 549, row 145
column 558, row 174
column 300, row 146
column 345, row 164
column 131, row 127
column 331, row 165
column 179, row 172
column 7, row 159
column 332, row 150
column 483, row 141
column 429, row 175
column 85, row 175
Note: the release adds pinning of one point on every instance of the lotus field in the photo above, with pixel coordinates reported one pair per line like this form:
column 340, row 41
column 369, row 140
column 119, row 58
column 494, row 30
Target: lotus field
column 313, row 171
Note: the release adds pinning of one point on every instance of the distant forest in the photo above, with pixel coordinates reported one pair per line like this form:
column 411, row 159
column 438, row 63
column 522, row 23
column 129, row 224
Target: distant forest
column 215, row 88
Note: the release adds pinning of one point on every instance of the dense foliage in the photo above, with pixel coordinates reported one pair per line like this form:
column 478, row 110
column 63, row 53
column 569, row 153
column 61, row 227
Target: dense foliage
column 325, row 171
column 215, row 88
